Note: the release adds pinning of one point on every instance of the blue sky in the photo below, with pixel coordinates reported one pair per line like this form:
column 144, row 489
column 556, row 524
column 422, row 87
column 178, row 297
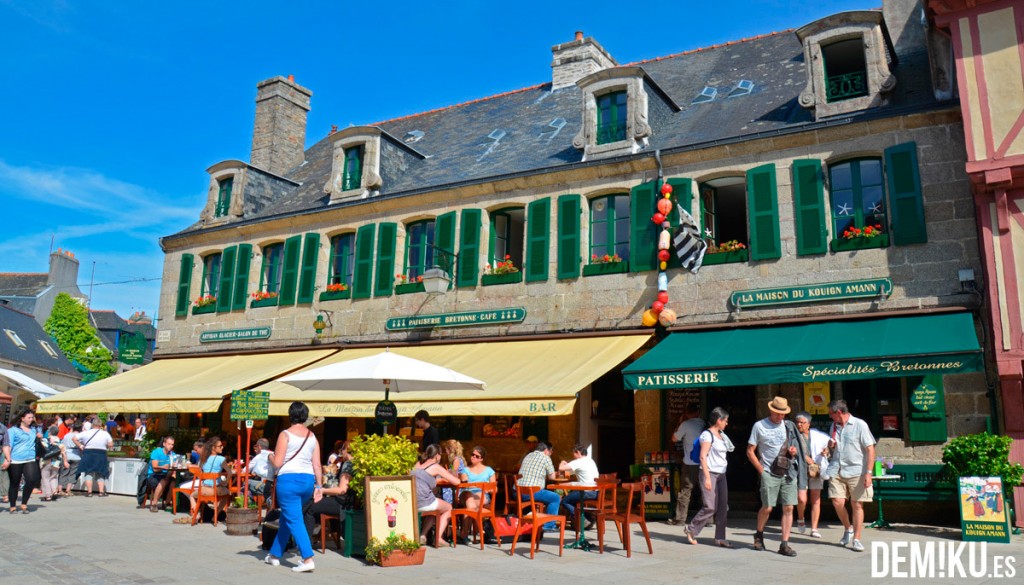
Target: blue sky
column 112, row 111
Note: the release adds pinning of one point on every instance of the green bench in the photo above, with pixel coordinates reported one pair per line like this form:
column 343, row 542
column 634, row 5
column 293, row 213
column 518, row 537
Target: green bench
column 916, row 483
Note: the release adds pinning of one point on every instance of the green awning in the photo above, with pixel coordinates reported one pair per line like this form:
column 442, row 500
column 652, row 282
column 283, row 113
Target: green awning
column 816, row 352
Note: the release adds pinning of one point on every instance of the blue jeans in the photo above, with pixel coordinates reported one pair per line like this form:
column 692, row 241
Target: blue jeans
column 293, row 491
column 550, row 500
column 573, row 498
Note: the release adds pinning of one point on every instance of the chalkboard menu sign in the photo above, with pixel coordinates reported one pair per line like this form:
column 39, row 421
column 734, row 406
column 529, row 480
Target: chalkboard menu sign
column 676, row 401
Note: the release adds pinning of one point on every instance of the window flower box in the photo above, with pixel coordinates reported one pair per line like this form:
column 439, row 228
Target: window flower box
column 271, row 302
column 860, row 243
column 506, row 278
column 334, row 295
column 605, row 268
column 211, row 308
column 409, row 288
column 730, row 257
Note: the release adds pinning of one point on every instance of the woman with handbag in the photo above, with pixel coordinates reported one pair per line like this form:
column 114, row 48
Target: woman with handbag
column 21, row 458
column 299, row 477
column 811, row 464
column 714, row 448
column 94, row 464
column 51, row 463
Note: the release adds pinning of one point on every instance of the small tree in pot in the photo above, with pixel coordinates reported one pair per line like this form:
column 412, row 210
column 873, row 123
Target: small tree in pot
column 373, row 456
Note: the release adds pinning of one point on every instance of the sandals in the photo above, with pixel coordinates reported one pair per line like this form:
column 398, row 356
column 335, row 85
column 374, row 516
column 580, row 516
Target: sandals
column 154, row 509
column 815, row 534
column 183, row 520
column 690, row 537
column 724, row 544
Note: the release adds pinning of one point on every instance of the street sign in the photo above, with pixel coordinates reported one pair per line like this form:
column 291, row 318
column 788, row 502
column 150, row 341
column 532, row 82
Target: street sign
column 234, row 334
column 463, row 319
column 250, row 405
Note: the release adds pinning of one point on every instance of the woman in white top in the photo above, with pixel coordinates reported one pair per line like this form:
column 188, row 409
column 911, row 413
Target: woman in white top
column 299, row 477
column 94, row 465
column 714, row 445
column 812, row 443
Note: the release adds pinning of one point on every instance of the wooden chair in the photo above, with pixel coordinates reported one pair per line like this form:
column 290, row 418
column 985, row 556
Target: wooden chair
column 194, row 470
column 632, row 513
column 489, row 494
column 325, row 520
column 600, row 508
column 206, row 498
column 508, row 482
column 436, row 514
column 538, row 519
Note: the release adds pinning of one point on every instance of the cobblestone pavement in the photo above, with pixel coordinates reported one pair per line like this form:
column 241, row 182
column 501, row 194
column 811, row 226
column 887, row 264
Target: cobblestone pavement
column 106, row 540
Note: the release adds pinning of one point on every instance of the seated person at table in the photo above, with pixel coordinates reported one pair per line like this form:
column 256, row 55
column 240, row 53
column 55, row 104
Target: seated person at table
column 585, row 470
column 537, row 470
column 157, row 477
column 260, row 470
column 426, row 471
column 197, row 452
column 336, row 498
column 211, row 461
column 476, row 472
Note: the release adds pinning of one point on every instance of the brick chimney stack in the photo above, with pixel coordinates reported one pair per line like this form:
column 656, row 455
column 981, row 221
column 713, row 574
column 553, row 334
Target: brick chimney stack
column 577, row 59
column 279, row 134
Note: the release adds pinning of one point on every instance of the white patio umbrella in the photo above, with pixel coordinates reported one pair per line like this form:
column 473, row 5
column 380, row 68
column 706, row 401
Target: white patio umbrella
column 388, row 370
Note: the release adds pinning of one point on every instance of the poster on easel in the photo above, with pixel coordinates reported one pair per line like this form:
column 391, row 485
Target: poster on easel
column 983, row 516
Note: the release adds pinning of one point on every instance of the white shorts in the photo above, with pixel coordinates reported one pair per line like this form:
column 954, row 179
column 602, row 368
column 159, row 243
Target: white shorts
column 429, row 507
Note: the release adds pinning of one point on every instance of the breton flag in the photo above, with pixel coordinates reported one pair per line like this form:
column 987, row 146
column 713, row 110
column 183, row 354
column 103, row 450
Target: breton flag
column 690, row 247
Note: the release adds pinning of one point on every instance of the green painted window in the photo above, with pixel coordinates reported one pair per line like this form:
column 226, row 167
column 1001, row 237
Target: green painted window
column 184, row 284
column 290, row 273
column 352, row 178
column 241, row 287
column 469, row 247
column 362, row 276
column 643, row 239
column 227, row 279
column 569, row 236
column 857, row 197
column 307, row 268
column 905, row 196
column 846, row 74
column 809, row 207
column 387, row 242
column 211, row 275
column 538, row 224
column 223, row 197
column 611, row 117
column 506, row 238
column 763, row 207
column 273, row 268
column 419, row 248
column 343, row 255
column 609, row 226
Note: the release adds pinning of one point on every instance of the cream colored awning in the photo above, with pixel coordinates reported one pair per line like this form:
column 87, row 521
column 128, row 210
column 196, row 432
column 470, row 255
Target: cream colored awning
column 191, row 384
column 532, row 378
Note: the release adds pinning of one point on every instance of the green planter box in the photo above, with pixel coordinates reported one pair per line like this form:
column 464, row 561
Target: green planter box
column 336, row 295
column 211, row 308
column 605, row 268
column 355, row 534
column 726, row 257
column 508, row 278
column 861, row 243
column 264, row 303
column 409, row 288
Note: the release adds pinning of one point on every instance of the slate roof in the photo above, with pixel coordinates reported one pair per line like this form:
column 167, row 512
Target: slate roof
column 458, row 148
column 31, row 333
column 107, row 320
column 22, row 284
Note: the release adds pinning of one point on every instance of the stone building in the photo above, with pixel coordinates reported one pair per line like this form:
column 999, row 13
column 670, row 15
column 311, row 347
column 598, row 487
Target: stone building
column 34, row 293
column 823, row 167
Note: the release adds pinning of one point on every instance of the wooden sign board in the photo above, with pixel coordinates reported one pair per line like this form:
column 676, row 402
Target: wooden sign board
column 391, row 507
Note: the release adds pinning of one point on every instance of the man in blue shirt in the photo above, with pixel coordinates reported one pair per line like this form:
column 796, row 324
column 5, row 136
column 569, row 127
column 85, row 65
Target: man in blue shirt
column 157, row 476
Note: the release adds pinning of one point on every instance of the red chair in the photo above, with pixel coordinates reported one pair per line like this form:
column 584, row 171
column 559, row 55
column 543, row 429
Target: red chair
column 508, row 482
column 194, row 470
column 325, row 520
column 633, row 513
column 489, row 494
column 538, row 519
column 206, row 496
column 600, row 508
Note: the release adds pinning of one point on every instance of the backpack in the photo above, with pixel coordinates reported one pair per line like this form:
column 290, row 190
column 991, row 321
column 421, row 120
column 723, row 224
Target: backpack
column 695, row 450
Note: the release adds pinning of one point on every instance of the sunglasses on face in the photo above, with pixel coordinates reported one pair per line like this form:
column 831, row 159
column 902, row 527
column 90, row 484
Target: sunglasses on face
column 477, row 455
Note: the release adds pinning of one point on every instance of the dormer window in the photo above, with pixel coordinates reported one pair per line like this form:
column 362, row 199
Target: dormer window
column 846, row 74
column 223, row 196
column 355, row 167
column 353, row 174
column 226, row 195
column 611, row 117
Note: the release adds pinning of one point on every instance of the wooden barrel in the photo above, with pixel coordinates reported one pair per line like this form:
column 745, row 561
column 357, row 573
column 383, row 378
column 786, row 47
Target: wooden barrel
column 242, row 521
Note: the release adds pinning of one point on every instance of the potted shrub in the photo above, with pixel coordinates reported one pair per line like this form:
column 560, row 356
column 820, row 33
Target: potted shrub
column 373, row 455
column 394, row 551
column 241, row 520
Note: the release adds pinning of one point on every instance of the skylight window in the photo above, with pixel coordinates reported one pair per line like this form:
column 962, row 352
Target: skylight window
column 413, row 136
column 557, row 124
column 14, row 338
column 706, row 95
column 496, row 135
column 49, row 348
column 744, row 87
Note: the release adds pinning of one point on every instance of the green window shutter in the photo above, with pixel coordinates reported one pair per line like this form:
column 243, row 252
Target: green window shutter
column 362, row 278
column 184, row 284
column 290, row 273
column 568, row 236
column 763, row 210
column 227, row 279
column 307, row 274
column 809, row 208
column 444, row 239
column 927, row 423
column 905, row 195
column 538, row 220
column 241, row 292
column 682, row 195
column 386, row 242
column 469, row 247
column 643, row 242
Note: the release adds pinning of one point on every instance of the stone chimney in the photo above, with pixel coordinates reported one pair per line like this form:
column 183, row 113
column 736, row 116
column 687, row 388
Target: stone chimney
column 63, row 272
column 279, row 135
column 577, row 59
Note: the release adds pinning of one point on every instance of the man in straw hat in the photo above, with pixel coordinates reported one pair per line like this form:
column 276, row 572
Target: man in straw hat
column 771, row 449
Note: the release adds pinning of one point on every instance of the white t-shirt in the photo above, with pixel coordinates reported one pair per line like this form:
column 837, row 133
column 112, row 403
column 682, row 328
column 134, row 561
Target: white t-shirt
column 260, row 464
column 95, row 439
column 719, row 449
column 302, row 462
column 687, row 433
column 585, row 470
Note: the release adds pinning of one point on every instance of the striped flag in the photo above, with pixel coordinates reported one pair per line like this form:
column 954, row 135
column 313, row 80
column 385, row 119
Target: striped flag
column 690, row 247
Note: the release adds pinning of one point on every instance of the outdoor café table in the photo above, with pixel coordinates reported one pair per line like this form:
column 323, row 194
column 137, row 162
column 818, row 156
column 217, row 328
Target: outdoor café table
column 571, row 486
column 881, row 523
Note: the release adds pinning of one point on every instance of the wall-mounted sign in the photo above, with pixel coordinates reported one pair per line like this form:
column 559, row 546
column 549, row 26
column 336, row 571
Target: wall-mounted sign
column 816, row 397
column 250, row 405
column 812, row 293
column 925, row 397
column 234, row 335
column 464, row 319
column 131, row 347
